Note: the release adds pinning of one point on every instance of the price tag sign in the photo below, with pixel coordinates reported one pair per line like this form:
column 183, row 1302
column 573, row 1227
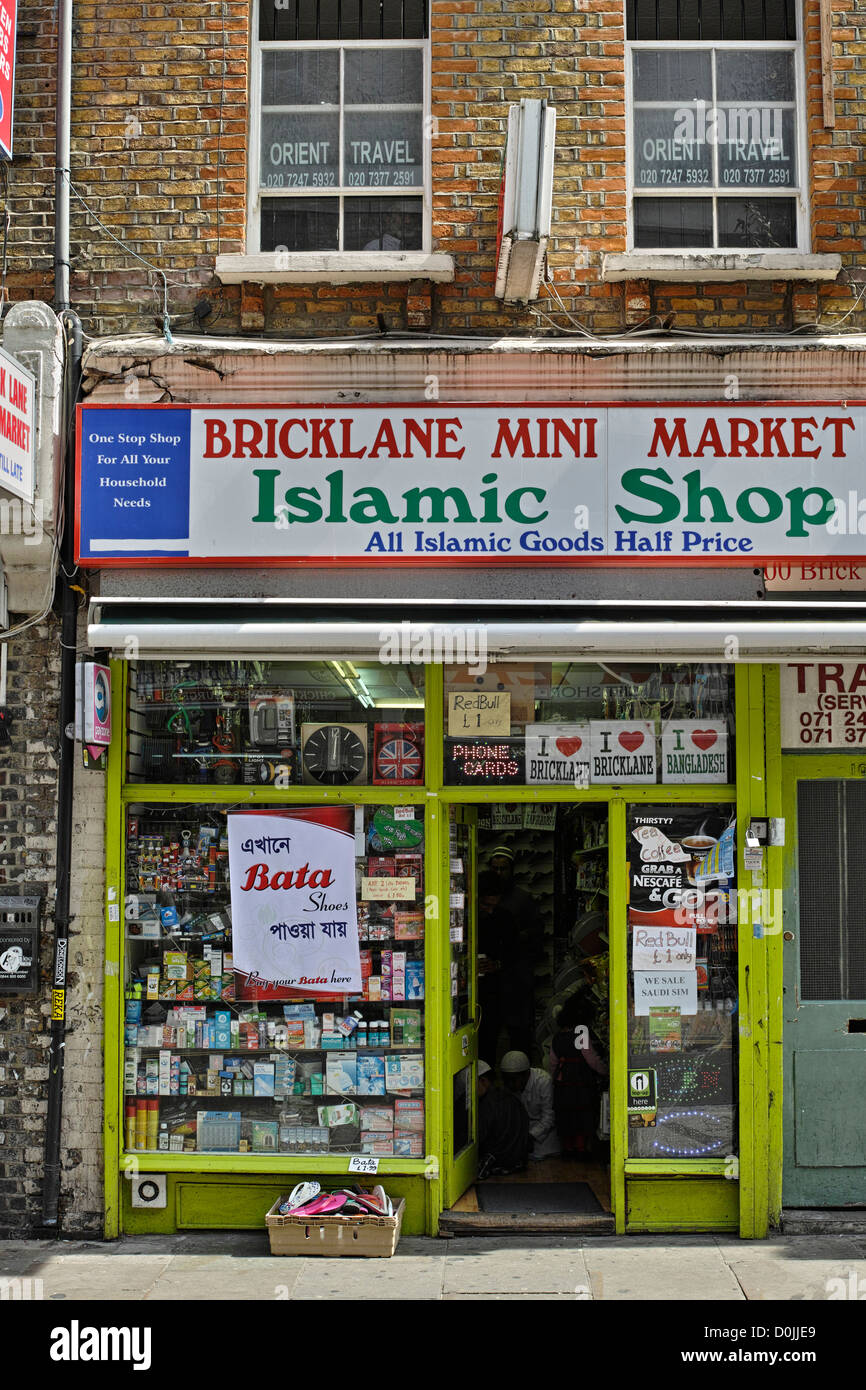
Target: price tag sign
column 361, row 1163
column 404, row 812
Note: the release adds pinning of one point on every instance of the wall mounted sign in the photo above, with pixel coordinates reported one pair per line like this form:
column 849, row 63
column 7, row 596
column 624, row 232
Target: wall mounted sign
column 8, row 25
column 823, row 705
column 19, row 959
column 97, row 704
column 17, row 398
column 695, row 750
column 480, row 484
column 557, row 755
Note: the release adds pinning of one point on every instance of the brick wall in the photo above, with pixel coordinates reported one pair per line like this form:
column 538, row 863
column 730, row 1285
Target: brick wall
column 159, row 154
column 28, row 826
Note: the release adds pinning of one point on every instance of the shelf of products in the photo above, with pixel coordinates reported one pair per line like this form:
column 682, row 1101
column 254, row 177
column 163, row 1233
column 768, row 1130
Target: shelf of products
column 580, row 724
column 210, row 1067
column 325, row 723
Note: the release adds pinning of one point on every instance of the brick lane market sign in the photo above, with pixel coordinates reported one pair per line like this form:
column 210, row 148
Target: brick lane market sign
column 568, row 483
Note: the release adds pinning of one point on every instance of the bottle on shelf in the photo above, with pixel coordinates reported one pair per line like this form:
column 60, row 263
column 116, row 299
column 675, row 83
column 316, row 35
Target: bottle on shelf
column 168, row 913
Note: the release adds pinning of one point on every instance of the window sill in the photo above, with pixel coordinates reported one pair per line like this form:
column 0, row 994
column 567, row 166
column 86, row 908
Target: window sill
column 333, row 267
column 720, row 265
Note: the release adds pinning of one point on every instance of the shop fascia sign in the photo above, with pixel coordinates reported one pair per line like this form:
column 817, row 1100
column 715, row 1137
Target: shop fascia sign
column 411, row 484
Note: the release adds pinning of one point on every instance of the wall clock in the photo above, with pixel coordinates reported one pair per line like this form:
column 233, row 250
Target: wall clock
column 334, row 755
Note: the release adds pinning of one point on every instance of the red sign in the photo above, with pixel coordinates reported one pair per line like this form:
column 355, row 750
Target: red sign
column 8, row 16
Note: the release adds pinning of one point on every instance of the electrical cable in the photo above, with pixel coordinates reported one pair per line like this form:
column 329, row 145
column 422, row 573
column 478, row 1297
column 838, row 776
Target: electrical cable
column 7, row 218
column 157, row 270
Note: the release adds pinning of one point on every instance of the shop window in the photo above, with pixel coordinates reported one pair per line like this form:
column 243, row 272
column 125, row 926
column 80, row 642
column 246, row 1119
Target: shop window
column 322, row 724
column 338, row 140
column 215, row 1063
column 682, row 1035
column 715, row 123
column 574, row 724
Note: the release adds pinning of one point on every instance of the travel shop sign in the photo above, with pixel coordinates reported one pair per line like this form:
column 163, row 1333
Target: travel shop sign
column 471, row 483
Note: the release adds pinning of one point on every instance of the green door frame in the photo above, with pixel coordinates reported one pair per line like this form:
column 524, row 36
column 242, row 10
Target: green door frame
column 757, row 793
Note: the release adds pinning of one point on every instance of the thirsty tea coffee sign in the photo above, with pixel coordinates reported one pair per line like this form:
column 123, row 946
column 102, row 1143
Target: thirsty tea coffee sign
column 667, row 848
column 294, row 919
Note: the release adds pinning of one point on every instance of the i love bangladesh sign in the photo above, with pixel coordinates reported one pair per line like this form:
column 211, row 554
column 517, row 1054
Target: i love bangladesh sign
column 552, row 483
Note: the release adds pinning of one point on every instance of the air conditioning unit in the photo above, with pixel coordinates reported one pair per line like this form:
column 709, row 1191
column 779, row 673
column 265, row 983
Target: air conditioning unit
column 525, row 200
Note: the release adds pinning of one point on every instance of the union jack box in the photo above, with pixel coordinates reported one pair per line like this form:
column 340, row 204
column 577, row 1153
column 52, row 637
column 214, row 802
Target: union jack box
column 398, row 755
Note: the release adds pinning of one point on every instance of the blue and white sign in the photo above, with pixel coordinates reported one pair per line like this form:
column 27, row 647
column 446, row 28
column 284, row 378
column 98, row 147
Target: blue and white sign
column 134, row 496
column 447, row 482
column 97, row 704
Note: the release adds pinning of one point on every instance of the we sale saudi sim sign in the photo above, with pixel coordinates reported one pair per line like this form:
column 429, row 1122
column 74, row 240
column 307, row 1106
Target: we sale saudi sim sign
column 480, row 483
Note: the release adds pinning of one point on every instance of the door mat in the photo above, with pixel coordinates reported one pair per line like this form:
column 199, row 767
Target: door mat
column 537, row 1198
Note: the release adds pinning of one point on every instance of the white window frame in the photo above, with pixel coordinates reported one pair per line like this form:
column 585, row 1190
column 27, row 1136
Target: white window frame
column 800, row 192
column 334, row 266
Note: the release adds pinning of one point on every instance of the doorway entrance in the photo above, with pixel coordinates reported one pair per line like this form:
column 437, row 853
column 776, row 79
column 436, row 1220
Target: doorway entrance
column 530, row 894
column 825, row 983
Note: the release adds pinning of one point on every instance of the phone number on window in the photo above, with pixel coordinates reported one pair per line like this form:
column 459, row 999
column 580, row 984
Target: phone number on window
column 292, row 180
column 768, row 176
column 667, row 174
column 382, row 178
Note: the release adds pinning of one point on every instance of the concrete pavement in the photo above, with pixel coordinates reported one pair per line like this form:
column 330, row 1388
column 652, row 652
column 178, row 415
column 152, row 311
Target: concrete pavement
column 238, row 1265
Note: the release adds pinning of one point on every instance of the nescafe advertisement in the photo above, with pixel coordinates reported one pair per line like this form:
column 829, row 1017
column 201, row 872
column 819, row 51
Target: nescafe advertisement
column 667, row 858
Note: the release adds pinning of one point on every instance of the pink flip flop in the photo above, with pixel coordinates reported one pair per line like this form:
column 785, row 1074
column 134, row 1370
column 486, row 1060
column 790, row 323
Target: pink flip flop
column 322, row 1205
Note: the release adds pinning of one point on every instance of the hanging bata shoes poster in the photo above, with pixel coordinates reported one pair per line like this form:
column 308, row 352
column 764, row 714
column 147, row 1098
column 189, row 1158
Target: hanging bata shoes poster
column 294, row 917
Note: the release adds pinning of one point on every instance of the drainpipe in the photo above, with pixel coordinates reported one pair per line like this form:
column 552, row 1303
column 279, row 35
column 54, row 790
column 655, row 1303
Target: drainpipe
column 63, row 172
column 68, row 624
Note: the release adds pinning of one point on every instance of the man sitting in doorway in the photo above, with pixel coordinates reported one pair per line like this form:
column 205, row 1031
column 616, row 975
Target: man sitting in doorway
column 535, row 1090
column 503, row 1128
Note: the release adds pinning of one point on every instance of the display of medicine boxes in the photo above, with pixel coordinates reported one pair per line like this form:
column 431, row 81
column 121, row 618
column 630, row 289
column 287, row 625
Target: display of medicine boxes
column 282, row 1060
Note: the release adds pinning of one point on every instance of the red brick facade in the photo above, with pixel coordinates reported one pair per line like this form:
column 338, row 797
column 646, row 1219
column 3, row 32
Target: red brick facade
column 159, row 150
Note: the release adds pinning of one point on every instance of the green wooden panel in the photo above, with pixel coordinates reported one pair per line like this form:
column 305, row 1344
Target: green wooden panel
column 688, row 1204
column 200, row 1202
column 830, row 1120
